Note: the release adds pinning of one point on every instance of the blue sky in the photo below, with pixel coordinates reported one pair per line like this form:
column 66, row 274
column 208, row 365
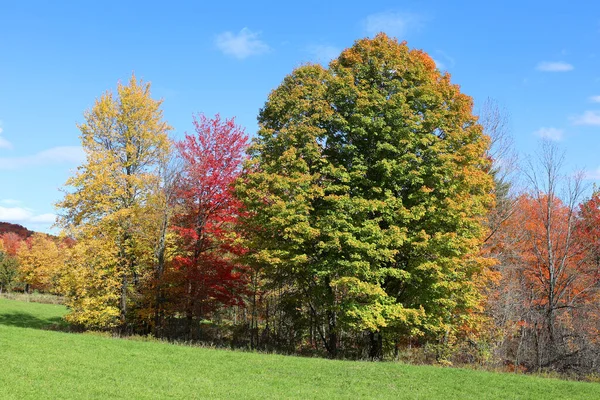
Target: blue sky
column 539, row 60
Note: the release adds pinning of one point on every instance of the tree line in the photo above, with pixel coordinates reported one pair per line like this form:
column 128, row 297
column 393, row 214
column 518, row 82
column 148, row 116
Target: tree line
column 373, row 215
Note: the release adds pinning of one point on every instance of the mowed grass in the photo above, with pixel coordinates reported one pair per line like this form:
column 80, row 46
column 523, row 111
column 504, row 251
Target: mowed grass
column 40, row 364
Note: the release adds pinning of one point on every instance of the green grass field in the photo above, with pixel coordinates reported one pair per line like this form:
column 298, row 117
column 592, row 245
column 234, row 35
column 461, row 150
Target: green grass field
column 36, row 363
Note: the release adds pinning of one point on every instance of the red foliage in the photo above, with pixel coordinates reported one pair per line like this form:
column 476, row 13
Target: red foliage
column 12, row 242
column 206, row 272
column 553, row 255
column 588, row 228
column 557, row 260
column 7, row 227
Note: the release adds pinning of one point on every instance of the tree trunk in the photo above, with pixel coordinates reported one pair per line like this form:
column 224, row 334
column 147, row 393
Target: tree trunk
column 124, row 285
column 376, row 348
column 158, row 274
column 332, row 337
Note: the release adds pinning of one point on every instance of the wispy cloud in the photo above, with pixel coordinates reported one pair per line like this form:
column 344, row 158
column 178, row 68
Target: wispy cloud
column 393, row 23
column 47, row 218
column 593, row 174
column 10, row 202
column 554, row 66
column 443, row 61
column 241, row 45
column 21, row 215
column 595, row 99
column 4, row 144
column 591, row 118
column 553, row 134
column 324, row 53
column 54, row 155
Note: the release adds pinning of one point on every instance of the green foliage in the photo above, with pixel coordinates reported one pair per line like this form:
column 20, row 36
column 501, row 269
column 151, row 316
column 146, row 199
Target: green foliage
column 9, row 272
column 366, row 190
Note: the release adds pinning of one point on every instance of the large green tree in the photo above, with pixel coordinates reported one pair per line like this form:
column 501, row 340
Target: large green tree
column 365, row 194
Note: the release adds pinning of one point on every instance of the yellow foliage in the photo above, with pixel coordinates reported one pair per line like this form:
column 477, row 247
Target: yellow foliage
column 91, row 284
column 40, row 262
column 110, row 208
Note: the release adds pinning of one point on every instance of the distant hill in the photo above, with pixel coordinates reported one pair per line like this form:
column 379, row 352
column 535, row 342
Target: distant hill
column 6, row 227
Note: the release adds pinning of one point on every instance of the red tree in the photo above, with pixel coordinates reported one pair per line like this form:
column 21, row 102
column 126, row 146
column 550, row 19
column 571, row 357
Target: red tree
column 12, row 242
column 206, row 273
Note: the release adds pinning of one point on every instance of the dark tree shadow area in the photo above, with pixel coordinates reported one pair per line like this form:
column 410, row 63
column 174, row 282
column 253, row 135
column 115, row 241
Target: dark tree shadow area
column 24, row 320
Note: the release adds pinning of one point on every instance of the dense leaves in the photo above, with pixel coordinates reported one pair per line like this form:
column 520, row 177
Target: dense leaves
column 204, row 273
column 373, row 215
column 125, row 140
column 367, row 188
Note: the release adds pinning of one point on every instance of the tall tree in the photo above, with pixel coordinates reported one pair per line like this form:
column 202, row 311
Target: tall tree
column 125, row 140
column 164, row 204
column 367, row 189
column 206, row 215
column 554, row 244
column 546, row 272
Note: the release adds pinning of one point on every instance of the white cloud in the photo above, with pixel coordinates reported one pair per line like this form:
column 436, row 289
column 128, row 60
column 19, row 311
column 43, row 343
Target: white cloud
column 241, row 45
column 324, row 53
column 588, row 118
column 54, row 155
column 43, row 218
column 15, row 214
column 554, row 66
column 553, row 134
column 10, row 202
column 25, row 216
column 595, row 174
column 595, row 99
column 4, row 144
column 440, row 65
column 393, row 23
column 448, row 61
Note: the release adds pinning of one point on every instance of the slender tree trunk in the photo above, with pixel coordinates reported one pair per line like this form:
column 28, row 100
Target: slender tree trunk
column 158, row 276
column 189, row 314
column 124, row 285
column 332, row 336
column 254, row 315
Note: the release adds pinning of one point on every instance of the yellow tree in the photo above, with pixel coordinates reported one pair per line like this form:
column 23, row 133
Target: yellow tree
column 125, row 140
column 40, row 263
column 90, row 282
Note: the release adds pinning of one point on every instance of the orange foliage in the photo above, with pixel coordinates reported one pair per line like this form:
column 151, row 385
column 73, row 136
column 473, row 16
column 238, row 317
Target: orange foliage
column 11, row 242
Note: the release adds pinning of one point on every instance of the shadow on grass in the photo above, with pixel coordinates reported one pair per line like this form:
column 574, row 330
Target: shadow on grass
column 24, row 320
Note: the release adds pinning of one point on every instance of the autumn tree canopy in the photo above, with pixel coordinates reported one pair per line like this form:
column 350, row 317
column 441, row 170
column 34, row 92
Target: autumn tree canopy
column 204, row 274
column 366, row 190
column 108, row 199
column 373, row 211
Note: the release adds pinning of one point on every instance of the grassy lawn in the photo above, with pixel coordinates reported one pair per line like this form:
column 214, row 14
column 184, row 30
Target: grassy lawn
column 37, row 364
